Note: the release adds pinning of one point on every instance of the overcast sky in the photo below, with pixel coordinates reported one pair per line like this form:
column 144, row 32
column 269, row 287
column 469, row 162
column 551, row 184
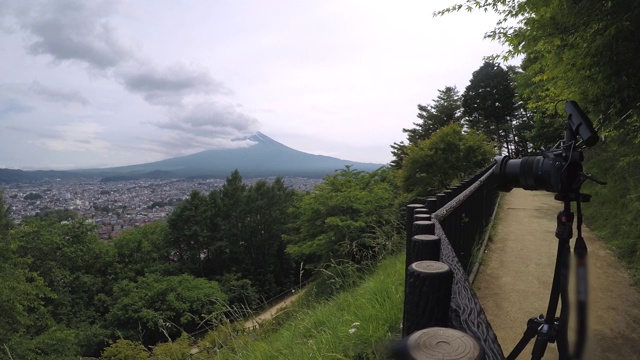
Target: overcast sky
column 105, row 83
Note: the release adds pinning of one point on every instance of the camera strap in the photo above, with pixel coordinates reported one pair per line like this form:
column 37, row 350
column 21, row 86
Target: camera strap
column 580, row 254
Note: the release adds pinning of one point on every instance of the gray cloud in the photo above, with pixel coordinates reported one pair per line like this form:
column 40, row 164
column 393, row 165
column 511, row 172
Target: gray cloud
column 57, row 95
column 80, row 31
column 178, row 144
column 171, row 84
column 73, row 30
column 211, row 120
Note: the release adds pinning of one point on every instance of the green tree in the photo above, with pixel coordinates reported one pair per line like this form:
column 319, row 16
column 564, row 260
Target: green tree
column 434, row 164
column 144, row 250
column 58, row 215
column 189, row 232
column 233, row 219
column 236, row 230
column 546, row 130
column 488, row 103
column 587, row 50
column 22, row 301
column 240, row 292
column 56, row 342
column 125, row 350
column 73, row 263
column 5, row 221
column 207, row 234
column 33, row 196
column 154, row 307
column 28, row 329
column 446, row 109
column 264, row 260
column 174, row 350
column 335, row 221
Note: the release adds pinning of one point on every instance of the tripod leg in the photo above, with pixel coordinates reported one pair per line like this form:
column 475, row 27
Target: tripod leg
column 564, row 234
column 580, row 250
column 547, row 328
column 581, row 289
column 563, row 321
column 543, row 339
column 530, row 332
column 548, row 332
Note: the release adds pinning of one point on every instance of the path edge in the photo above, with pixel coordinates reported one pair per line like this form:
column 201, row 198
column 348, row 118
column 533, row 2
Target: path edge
column 485, row 240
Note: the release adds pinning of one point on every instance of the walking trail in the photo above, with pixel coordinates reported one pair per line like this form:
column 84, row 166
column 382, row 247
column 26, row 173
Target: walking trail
column 272, row 311
column 514, row 281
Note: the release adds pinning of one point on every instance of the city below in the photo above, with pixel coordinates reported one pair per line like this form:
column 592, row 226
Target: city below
column 119, row 205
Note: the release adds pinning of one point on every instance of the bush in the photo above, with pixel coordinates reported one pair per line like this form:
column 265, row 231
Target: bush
column 448, row 155
column 125, row 350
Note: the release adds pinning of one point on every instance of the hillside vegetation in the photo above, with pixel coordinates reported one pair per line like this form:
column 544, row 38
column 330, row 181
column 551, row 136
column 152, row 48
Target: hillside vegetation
column 181, row 286
column 588, row 51
column 362, row 322
column 614, row 209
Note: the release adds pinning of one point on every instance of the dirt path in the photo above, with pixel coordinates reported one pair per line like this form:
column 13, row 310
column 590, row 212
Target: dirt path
column 515, row 280
column 272, row 311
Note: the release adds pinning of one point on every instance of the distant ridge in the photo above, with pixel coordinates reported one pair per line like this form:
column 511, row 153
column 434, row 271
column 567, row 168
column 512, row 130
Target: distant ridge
column 266, row 158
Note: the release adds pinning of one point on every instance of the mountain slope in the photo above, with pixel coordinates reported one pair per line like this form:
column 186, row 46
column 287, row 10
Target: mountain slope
column 266, row 158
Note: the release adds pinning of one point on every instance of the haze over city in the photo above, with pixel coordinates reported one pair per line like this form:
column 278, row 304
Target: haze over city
column 108, row 83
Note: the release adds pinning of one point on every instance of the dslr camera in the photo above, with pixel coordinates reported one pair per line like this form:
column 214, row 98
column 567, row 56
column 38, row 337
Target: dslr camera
column 558, row 170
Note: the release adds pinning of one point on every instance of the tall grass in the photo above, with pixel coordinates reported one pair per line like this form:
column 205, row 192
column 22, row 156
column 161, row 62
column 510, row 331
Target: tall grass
column 359, row 323
column 614, row 211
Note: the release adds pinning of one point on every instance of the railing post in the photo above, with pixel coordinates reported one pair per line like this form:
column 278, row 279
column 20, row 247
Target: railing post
column 409, row 223
column 421, row 210
column 440, row 343
column 421, row 217
column 449, row 194
column 432, row 204
column 423, row 227
column 427, row 296
column 424, row 247
column 442, row 200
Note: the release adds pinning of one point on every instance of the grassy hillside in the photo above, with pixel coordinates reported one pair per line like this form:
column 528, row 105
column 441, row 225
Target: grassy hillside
column 614, row 211
column 360, row 323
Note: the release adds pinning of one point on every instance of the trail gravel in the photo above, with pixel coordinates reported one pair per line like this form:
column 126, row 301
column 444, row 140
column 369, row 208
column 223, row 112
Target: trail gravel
column 515, row 278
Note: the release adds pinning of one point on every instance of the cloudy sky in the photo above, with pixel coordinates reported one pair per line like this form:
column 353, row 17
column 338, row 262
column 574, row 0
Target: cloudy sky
column 105, row 83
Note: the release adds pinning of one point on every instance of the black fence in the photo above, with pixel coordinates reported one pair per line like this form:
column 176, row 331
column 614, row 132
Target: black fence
column 443, row 236
column 466, row 214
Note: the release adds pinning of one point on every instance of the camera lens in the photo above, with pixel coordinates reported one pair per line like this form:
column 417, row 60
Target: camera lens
column 529, row 173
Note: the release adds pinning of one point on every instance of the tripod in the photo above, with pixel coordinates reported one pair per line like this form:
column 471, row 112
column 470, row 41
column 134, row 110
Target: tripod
column 549, row 329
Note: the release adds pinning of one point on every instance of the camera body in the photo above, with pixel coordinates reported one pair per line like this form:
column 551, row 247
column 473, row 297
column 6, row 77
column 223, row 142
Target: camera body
column 558, row 170
column 554, row 171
